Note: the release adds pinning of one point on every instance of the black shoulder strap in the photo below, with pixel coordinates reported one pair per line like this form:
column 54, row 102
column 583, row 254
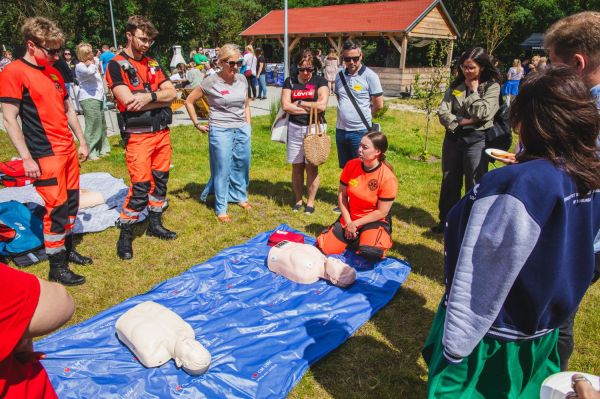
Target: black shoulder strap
column 362, row 116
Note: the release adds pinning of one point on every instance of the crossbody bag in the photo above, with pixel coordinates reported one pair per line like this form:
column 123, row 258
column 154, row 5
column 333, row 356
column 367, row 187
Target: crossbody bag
column 375, row 127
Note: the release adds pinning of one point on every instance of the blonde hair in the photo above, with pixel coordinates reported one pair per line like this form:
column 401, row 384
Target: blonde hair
column 84, row 52
column 517, row 64
column 332, row 55
column 42, row 31
column 228, row 50
column 250, row 48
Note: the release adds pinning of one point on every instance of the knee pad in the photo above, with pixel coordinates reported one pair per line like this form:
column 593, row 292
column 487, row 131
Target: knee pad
column 330, row 243
column 373, row 243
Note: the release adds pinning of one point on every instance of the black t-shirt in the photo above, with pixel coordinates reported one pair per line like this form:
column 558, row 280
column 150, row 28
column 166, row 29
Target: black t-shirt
column 261, row 60
column 61, row 66
column 308, row 92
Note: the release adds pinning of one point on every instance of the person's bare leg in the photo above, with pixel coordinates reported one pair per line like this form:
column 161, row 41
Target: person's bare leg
column 312, row 184
column 298, row 182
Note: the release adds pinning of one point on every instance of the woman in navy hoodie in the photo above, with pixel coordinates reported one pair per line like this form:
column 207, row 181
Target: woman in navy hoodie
column 519, row 250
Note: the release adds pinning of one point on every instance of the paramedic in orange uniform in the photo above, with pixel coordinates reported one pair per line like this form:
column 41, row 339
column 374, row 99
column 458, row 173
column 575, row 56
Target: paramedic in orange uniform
column 32, row 89
column 144, row 95
column 367, row 190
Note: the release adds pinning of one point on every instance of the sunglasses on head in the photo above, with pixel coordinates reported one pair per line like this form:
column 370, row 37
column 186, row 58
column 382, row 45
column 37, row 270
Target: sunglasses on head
column 348, row 59
column 305, row 69
column 49, row 51
column 235, row 63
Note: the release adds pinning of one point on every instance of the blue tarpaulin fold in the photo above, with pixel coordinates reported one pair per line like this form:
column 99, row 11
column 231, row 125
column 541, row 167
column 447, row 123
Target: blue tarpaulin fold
column 262, row 330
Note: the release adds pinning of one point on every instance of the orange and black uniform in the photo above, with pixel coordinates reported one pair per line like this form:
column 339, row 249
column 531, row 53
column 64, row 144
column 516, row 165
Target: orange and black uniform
column 40, row 93
column 365, row 190
column 146, row 134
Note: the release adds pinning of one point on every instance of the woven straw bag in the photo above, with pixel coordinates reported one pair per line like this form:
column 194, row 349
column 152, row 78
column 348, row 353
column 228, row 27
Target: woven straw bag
column 317, row 143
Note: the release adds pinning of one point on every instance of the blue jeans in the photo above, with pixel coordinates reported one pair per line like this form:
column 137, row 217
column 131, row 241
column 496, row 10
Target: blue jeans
column 229, row 151
column 347, row 142
column 262, row 85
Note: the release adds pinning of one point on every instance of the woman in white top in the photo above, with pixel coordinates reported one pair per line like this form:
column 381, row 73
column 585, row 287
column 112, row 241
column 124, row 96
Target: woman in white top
column 91, row 98
column 514, row 76
column 250, row 64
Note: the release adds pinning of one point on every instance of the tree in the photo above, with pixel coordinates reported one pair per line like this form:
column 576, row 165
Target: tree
column 429, row 90
column 496, row 22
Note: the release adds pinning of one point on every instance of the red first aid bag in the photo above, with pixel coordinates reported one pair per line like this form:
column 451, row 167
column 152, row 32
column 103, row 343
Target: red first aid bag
column 282, row 235
column 16, row 181
column 13, row 168
column 13, row 174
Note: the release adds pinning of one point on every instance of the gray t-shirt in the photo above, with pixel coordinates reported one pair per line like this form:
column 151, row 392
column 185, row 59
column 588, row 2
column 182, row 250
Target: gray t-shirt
column 227, row 102
column 363, row 85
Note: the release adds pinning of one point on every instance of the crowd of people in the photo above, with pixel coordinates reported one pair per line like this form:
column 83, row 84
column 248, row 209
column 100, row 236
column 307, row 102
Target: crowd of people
column 521, row 247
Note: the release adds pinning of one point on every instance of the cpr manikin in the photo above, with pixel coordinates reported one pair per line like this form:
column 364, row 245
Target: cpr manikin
column 156, row 334
column 305, row 264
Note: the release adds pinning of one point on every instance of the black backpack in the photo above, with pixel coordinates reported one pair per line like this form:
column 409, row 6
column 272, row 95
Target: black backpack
column 500, row 134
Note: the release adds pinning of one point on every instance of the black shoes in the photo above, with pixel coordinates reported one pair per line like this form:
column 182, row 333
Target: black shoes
column 60, row 272
column 156, row 228
column 124, row 245
column 74, row 256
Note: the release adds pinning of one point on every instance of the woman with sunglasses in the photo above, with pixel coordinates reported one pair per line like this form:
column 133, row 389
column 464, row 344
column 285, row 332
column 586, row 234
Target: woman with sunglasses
column 467, row 112
column 91, row 99
column 228, row 132
column 299, row 95
column 518, row 250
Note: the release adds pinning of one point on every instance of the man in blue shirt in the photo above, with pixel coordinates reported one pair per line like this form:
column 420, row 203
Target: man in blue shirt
column 365, row 87
column 106, row 56
column 574, row 41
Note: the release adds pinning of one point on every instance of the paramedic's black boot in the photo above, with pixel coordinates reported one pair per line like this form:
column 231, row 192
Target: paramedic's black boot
column 124, row 247
column 59, row 270
column 74, row 256
column 156, row 228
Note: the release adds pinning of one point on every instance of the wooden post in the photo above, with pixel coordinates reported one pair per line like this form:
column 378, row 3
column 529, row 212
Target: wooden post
column 449, row 58
column 292, row 45
column 281, row 42
column 335, row 46
column 398, row 47
column 403, row 51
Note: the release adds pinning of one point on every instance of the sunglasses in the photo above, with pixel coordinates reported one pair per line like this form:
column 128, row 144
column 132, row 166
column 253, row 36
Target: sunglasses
column 50, row 51
column 67, row 53
column 348, row 59
column 233, row 64
column 305, row 70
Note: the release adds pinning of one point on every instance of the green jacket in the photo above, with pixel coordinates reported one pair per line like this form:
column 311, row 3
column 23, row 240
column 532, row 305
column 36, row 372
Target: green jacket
column 481, row 106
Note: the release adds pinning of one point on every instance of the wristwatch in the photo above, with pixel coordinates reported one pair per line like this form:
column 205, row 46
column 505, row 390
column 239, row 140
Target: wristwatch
column 154, row 97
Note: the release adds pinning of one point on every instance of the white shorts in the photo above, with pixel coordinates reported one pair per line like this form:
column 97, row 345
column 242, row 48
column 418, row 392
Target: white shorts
column 295, row 142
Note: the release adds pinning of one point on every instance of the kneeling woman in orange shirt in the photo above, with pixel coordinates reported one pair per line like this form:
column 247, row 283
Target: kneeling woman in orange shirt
column 367, row 190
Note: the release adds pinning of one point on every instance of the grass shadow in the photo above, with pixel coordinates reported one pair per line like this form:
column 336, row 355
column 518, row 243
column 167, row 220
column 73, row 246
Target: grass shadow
column 367, row 367
column 281, row 192
column 423, row 260
column 412, row 215
column 315, row 228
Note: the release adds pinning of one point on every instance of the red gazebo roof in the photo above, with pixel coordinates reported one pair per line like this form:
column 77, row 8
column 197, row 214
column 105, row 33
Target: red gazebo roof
column 390, row 16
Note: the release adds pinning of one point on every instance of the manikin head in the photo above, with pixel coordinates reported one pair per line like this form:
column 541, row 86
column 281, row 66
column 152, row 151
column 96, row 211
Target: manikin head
column 191, row 356
column 339, row 273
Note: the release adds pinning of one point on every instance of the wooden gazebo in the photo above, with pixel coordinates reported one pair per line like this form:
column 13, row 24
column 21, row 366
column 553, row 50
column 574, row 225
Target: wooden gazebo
column 405, row 23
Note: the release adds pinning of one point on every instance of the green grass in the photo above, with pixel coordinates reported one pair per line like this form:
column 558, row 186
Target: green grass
column 382, row 359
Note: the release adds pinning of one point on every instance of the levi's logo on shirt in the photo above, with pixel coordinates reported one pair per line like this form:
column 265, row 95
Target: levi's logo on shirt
column 304, row 94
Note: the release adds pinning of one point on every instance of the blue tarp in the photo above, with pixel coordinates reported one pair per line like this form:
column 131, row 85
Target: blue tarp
column 262, row 330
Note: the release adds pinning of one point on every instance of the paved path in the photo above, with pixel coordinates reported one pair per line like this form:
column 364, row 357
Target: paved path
column 181, row 117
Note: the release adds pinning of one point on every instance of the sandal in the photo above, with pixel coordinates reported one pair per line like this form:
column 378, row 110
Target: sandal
column 245, row 205
column 224, row 218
